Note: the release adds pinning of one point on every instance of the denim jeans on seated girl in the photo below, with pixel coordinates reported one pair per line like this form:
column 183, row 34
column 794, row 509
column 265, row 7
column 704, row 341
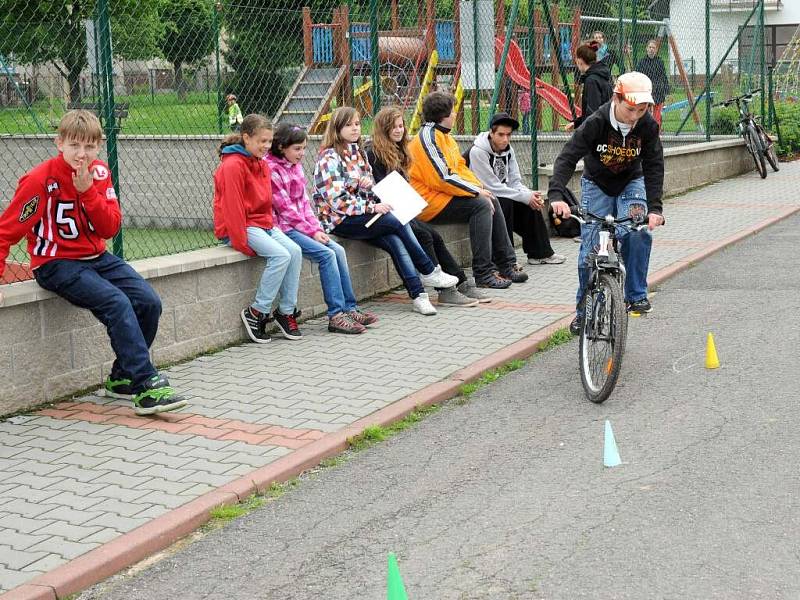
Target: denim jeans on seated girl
column 635, row 245
column 398, row 240
column 334, row 274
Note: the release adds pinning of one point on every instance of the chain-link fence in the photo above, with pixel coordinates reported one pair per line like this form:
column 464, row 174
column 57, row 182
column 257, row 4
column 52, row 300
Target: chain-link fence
column 162, row 70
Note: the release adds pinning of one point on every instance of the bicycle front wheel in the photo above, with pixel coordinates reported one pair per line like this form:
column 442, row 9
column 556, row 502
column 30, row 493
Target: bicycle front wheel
column 602, row 339
column 757, row 151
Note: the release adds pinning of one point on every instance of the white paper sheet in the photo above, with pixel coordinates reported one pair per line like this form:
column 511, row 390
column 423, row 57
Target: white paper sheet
column 406, row 202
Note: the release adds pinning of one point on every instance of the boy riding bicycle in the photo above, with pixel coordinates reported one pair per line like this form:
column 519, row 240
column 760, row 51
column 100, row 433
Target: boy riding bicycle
column 623, row 166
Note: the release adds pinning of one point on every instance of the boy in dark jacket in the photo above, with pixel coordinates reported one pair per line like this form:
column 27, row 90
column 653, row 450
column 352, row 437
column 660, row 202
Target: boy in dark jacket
column 623, row 166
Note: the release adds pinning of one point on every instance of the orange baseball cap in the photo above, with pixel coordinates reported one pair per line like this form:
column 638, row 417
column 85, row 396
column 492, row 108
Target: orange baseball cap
column 635, row 87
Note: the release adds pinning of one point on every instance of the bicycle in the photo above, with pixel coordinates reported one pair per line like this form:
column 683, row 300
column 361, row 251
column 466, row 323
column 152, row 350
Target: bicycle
column 758, row 142
column 605, row 317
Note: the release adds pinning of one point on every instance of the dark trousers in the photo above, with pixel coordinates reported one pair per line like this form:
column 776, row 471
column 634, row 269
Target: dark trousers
column 434, row 246
column 398, row 240
column 528, row 224
column 120, row 299
column 491, row 246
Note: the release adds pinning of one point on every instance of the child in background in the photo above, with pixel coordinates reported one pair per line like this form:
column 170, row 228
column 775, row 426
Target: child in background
column 243, row 220
column 67, row 207
column 525, row 109
column 388, row 152
column 345, row 203
column 234, row 113
column 295, row 218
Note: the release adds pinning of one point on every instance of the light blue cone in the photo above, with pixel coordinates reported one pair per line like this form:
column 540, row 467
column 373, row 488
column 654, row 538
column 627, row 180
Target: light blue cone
column 610, row 452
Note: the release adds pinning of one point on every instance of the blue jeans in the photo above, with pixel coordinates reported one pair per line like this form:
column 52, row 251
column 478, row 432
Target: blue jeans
column 635, row 245
column 398, row 240
column 120, row 299
column 334, row 275
column 281, row 276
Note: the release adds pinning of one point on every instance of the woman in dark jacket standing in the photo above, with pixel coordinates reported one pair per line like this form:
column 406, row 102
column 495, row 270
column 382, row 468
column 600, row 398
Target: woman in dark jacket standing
column 595, row 82
column 652, row 66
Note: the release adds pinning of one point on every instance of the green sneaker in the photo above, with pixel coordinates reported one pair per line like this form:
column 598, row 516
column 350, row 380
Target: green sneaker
column 157, row 397
column 118, row 388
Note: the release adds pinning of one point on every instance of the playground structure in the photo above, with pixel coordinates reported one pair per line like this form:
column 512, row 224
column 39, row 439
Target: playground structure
column 787, row 73
column 413, row 60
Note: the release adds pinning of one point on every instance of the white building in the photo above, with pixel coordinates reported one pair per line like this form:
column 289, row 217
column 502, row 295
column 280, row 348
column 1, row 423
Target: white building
column 687, row 21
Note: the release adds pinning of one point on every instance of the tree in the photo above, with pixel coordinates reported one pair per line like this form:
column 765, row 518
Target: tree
column 188, row 35
column 53, row 31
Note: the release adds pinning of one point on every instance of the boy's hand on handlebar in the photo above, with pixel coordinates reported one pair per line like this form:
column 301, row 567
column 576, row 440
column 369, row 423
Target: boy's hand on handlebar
column 654, row 220
column 561, row 209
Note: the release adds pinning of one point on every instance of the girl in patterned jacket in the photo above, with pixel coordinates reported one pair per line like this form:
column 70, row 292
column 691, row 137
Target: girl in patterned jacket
column 346, row 205
column 293, row 215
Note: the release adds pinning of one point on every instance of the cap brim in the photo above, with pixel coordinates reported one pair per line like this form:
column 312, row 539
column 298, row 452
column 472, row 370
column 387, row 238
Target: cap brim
column 639, row 98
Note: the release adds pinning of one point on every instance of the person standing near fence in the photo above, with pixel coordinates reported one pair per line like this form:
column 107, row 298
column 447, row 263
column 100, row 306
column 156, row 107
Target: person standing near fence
column 243, row 220
column 594, row 81
column 652, row 66
column 347, row 207
column 293, row 214
column 67, row 207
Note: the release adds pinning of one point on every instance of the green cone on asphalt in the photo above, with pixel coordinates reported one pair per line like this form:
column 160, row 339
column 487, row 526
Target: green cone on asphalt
column 395, row 588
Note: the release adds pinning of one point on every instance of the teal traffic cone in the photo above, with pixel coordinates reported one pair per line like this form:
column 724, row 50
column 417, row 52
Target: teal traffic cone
column 610, row 452
column 394, row 583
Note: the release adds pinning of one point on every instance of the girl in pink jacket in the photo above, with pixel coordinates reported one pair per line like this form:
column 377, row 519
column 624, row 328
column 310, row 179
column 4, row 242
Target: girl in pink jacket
column 293, row 215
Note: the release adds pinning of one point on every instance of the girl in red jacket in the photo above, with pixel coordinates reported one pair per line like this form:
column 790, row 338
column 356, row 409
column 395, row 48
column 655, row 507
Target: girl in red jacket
column 243, row 220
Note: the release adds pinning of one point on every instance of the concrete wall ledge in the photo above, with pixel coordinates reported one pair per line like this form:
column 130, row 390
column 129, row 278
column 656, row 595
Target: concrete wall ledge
column 50, row 349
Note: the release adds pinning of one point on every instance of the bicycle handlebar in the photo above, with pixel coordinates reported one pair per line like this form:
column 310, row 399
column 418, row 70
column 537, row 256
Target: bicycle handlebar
column 735, row 99
column 608, row 219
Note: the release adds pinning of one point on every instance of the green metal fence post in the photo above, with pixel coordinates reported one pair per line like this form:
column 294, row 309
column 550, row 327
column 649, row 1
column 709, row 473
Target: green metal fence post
column 477, row 108
column 375, row 65
column 708, row 70
column 106, row 68
column 763, row 37
column 533, row 115
column 512, row 21
column 217, row 11
column 621, row 36
column 634, row 24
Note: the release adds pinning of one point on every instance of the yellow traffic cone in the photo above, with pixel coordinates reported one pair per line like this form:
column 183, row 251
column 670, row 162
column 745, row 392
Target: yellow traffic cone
column 712, row 362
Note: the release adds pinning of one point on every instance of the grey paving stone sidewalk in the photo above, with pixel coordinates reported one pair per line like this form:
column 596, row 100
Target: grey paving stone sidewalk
column 82, row 474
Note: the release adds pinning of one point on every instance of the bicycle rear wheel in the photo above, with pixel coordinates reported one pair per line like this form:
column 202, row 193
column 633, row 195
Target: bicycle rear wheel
column 769, row 150
column 602, row 339
column 757, row 151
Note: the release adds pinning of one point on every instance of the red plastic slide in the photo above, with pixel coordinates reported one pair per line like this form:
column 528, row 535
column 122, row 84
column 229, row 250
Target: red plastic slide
column 521, row 75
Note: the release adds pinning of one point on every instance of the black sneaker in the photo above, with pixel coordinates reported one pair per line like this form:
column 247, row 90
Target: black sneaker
column 255, row 325
column 493, row 280
column 287, row 324
column 118, row 388
column 576, row 325
column 640, row 306
column 515, row 274
column 157, row 397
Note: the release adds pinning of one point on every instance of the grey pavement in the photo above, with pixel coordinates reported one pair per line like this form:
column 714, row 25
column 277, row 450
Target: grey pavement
column 506, row 497
column 86, row 472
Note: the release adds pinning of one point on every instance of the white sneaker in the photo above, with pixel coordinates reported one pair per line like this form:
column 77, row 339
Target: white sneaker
column 438, row 279
column 555, row 259
column 422, row 305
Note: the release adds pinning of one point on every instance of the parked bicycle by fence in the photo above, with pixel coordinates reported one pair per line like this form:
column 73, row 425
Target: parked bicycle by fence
column 759, row 143
column 605, row 324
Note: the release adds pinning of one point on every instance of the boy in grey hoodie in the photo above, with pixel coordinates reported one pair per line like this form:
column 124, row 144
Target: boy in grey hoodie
column 493, row 161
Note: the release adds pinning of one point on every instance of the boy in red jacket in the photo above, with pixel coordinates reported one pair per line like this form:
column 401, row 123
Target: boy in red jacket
column 67, row 207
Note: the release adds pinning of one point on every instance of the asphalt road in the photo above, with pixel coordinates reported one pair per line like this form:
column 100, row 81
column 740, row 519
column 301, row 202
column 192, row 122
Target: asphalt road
column 506, row 496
